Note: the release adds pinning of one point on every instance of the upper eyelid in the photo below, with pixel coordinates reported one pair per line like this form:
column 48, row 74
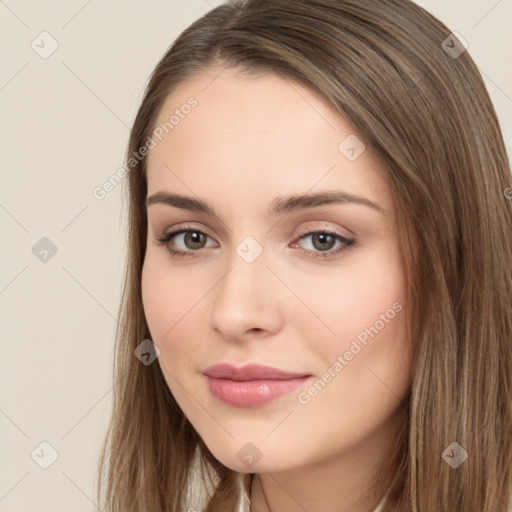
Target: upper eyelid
column 324, row 229
column 187, row 227
column 191, row 226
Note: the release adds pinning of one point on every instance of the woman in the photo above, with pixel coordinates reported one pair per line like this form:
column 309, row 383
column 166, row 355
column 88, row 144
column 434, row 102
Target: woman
column 317, row 306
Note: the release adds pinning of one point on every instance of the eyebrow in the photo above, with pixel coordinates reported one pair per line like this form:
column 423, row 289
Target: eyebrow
column 280, row 205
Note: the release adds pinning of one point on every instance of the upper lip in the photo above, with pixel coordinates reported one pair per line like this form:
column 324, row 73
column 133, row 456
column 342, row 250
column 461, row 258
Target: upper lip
column 250, row 372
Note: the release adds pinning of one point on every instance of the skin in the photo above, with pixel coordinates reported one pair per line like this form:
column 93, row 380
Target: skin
column 248, row 141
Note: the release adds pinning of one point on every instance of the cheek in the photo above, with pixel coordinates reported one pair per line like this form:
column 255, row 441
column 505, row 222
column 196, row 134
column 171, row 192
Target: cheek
column 351, row 300
column 173, row 302
column 364, row 320
column 155, row 297
column 168, row 294
column 162, row 305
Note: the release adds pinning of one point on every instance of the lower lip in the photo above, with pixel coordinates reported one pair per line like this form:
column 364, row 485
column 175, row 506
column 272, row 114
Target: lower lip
column 252, row 393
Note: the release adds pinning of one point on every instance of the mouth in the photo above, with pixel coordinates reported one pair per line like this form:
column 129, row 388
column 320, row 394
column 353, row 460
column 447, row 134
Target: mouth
column 252, row 385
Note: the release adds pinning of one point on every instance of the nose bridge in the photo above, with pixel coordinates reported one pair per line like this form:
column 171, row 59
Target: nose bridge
column 245, row 298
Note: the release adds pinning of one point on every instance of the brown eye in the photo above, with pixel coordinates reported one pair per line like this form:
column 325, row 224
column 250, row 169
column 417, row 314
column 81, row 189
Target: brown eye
column 184, row 242
column 194, row 239
column 325, row 244
column 323, row 241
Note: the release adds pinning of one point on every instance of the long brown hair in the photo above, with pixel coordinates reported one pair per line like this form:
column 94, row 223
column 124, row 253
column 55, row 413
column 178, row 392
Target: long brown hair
column 416, row 97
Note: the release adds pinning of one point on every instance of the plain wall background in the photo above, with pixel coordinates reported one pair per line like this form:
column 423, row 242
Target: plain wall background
column 64, row 126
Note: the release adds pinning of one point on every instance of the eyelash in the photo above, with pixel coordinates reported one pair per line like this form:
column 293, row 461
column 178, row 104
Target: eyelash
column 348, row 243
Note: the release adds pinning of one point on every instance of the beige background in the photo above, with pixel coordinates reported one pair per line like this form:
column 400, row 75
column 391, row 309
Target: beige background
column 64, row 124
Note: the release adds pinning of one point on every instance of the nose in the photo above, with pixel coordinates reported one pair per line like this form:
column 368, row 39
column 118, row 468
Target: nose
column 247, row 301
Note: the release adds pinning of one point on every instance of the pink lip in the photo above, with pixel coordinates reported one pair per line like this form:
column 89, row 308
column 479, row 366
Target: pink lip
column 251, row 385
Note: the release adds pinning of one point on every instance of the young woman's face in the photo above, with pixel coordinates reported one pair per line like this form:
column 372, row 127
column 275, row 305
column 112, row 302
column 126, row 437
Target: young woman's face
column 313, row 286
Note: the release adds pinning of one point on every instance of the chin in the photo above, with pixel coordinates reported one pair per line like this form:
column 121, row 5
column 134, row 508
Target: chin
column 249, row 457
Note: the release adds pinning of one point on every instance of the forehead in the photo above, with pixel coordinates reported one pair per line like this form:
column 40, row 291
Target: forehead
column 259, row 137
column 234, row 106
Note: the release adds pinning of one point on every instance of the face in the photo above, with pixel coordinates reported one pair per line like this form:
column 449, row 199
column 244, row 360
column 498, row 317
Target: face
column 314, row 288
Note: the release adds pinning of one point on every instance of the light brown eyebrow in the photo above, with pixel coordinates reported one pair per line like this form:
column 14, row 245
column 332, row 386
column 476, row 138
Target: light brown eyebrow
column 280, row 205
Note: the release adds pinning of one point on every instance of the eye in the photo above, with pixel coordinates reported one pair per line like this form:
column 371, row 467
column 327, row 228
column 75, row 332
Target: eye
column 191, row 241
column 322, row 244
